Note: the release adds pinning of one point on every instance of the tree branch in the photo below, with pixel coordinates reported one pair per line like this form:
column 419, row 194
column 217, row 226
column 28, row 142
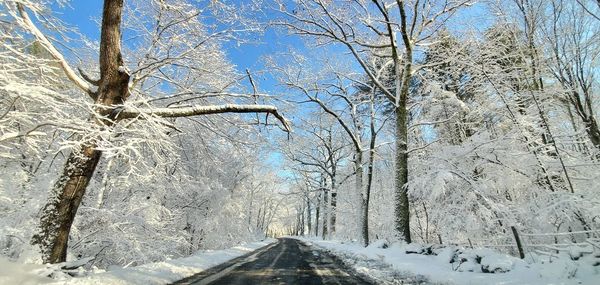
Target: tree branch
column 80, row 82
column 129, row 113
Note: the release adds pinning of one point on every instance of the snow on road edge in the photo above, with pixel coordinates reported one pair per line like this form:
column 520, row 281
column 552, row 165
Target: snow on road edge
column 170, row 270
column 391, row 265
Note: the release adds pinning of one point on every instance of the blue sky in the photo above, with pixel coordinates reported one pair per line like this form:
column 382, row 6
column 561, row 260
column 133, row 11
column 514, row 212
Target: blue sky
column 83, row 15
column 80, row 14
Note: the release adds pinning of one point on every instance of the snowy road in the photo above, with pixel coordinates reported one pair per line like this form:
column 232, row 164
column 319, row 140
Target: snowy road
column 288, row 261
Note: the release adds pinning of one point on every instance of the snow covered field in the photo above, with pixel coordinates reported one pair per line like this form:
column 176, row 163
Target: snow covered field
column 455, row 265
column 152, row 273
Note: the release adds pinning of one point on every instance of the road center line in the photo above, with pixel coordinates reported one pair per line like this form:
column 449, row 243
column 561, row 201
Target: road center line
column 226, row 271
column 279, row 255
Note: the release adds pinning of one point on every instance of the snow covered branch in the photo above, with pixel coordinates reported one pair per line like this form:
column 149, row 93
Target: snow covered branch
column 129, row 113
column 80, row 82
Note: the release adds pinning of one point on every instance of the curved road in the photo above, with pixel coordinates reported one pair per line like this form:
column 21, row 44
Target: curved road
column 288, row 261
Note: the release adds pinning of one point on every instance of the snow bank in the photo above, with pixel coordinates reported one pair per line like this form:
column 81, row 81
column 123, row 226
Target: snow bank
column 147, row 274
column 16, row 273
column 438, row 264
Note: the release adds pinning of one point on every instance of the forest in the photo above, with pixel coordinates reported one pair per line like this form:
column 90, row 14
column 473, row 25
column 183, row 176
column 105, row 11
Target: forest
column 136, row 131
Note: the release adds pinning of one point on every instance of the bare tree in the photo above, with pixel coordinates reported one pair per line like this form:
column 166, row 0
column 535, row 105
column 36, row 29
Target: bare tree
column 571, row 39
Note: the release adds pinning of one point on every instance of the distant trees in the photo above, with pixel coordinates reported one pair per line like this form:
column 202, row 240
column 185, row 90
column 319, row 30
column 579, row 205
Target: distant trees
column 484, row 121
column 392, row 30
column 317, row 154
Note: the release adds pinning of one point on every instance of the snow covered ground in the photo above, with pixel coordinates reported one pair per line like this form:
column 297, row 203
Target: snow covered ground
column 386, row 264
column 456, row 265
column 152, row 273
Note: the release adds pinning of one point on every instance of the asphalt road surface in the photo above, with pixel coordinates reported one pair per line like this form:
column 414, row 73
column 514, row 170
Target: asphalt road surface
column 289, row 261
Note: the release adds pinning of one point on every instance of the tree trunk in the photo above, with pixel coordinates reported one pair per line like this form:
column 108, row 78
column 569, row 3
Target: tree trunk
column 308, row 216
column 301, row 219
column 325, row 213
column 402, row 206
column 402, row 213
column 359, row 188
column 263, row 219
column 66, row 194
column 250, row 204
column 591, row 127
column 365, row 229
column 366, row 198
column 333, row 174
column 332, row 210
column 426, row 223
column 258, row 218
column 317, row 213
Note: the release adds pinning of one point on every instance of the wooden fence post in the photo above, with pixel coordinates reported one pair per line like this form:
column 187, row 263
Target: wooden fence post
column 518, row 240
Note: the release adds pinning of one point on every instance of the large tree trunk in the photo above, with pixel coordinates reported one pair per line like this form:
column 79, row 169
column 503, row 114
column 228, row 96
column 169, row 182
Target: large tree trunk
column 332, row 214
column 66, row 195
column 402, row 206
column 325, row 214
column 333, row 178
column 301, row 219
column 402, row 213
column 366, row 193
column 359, row 188
column 308, row 216
column 317, row 213
column 365, row 229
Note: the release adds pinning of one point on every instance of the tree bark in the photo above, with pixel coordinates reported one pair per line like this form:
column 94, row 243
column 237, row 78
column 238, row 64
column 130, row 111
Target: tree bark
column 365, row 229
column 593, row 131
column 66, row 195
column 333, row 178
column 308, row 216
column 332, row 210
column 301, row 220
column 402, row 206
column 317, row 213
column 362, row 213
column 403, row 76
column 325, row 213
